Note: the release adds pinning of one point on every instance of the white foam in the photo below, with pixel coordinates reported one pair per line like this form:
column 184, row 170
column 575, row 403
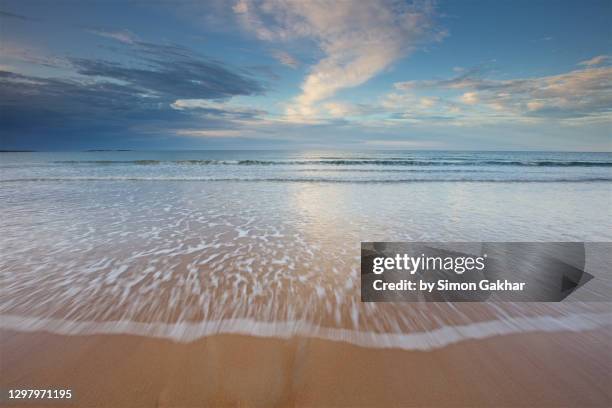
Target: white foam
column 184, row 332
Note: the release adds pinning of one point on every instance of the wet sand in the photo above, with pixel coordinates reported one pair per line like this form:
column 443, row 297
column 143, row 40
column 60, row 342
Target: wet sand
column 535, row 369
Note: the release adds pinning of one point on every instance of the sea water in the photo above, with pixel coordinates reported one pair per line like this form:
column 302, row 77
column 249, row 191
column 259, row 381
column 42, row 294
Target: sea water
column 192, row 243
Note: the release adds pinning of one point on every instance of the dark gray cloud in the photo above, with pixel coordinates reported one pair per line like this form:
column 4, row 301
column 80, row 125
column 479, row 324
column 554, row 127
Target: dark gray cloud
column 6, row 14
column 173, row 71
column 184, row 78
column 112, row 100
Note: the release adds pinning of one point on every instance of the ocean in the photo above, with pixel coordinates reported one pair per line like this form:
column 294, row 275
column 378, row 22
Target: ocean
column 185, row 244
column 352, row 167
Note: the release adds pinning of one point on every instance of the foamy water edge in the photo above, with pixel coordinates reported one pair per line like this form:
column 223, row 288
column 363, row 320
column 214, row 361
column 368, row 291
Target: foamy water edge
column 185, row 332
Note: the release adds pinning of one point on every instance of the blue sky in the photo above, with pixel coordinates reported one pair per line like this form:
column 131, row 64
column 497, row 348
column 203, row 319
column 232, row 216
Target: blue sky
column 381, row 74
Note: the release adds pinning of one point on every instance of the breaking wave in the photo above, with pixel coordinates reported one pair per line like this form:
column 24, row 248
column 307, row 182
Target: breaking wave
column 423, row 341
column 322, row 179
column 355, row 162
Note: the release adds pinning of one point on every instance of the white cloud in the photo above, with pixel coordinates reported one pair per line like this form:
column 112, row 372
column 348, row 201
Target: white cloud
column 471, row 98
column 211, row 133
column 207, row 104
column 408, row 144
column 182, row 104
column 598, row 60
column 358, row 39
column 584, row 92
column 124, row 36
column 285, row 59
column 535, row 105
column 241, row 7
column 338, row 109
column 31, row 55
column 428, row 101
column 233, row 114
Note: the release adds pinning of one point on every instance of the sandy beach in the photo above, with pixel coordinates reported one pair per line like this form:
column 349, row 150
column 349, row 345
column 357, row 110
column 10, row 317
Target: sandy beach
column 557, row 369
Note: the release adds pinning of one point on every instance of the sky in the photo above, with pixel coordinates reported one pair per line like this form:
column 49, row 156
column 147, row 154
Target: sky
column 285, row 74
